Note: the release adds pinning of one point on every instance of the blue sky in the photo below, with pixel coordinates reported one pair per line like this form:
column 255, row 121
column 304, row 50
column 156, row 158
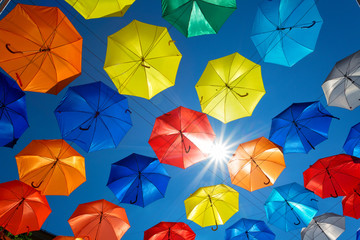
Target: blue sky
column 339, row 37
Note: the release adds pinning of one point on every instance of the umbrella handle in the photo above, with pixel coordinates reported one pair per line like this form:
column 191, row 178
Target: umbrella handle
column 334, row 196
column 171, row 41
column 142, row 64
column 216, row 228
column 8, row 48
column 313, row 23
column 313, row 199
column 86, row 238
column 267, row 183
column 36, row 186
column 187, row 150
column 133, row 202
column 240, row 95
column 128, row 111
column 297, row 223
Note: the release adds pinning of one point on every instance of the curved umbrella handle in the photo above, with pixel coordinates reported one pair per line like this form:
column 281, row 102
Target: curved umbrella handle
column 334, row 196
column 312, row 24
column 142, row 64
column 187, row 150
column 240, row 95
column 8, row 48
column 136, row 198
column 36, row 186
column 171, row 41
column 85, row 129
column 268, row 182
column 216, row 228
column 128, row 111
column 297, row 223
column 313, row 199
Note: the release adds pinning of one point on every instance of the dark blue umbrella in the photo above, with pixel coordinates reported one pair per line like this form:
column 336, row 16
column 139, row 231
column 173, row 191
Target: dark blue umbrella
column 291, row 206
column 301, row 127
column 13, row 117
column 138, row 180
column 93, row 116
column 248, row 229
column 286, row 31
column 352, row 143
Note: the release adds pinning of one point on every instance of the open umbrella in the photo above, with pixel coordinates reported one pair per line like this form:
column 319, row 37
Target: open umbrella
column 93, row 116
column 351, row 203
column 51, row 166
column 142, row 59
column 301, row 127
column 352, row 142
column 22, row 208
column 342, row 86
column 328, row 226
column 212, row 205
column 41, row 49
column 90, row 9
column 256, row 164
column 182, row 137
column 230, row 87
column 290, row 206
column 13, row 116
column 197, row 17
column 138, row 180
column 99, row 220
column 169, row 231
column 248, row 229
column 333, row 176
column 285, row 31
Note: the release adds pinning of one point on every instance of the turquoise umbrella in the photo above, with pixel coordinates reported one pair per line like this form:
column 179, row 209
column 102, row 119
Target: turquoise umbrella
column 286, row 31
column 291, row 206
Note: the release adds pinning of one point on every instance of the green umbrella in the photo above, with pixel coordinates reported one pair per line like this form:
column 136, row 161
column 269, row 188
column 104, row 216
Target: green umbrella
column 197, row 17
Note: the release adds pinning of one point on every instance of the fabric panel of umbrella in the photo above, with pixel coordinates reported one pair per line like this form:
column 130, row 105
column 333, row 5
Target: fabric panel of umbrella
column 51, row 166
column 246, row 229
column 142, row 59
column 43, row 49
column 169, row 231
column 256, row 164
column 352, row 142
column 328, row 226
column 138, row 180
column 342, row 86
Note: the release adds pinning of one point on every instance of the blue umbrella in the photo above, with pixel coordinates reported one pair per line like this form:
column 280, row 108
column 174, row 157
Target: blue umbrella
column 286, row 31
column 13, row 117
column 93, row 116
column 138, row 180
column 248, row 229
column 291, row 206
column 352, row 143
column 301, row 127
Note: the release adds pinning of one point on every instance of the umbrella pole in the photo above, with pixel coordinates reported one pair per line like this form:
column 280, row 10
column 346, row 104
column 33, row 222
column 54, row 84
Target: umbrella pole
column 169, row 234
column 47, row 173
column 332, row 184
column 137, row 191
column 297, row 223
column 182, row 140
column 266, row 183
column 212, row 208
column 297, row 128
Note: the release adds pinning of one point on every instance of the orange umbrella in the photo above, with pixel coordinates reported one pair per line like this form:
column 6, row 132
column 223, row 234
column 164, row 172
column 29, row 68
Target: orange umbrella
column 256, row 164
column 99, row 220
column 40, row 48
column 52, row 166
column 22, row 208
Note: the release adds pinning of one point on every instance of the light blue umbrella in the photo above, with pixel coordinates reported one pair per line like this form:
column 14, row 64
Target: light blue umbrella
column 352, row 143
column 285, row 31
column 248, row 229
column 291, row 206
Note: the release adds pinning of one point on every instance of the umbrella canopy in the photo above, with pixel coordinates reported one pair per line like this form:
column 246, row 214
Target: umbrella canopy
column 42, row 49
column 169, row 231
column 342, row 86
column 290, row 206
column 87, row 221
column 284, row 32
column 197, row 17
column 138, row 180
column 352, row 143
column 51, row 166
column 22, row 208
column 13, row 116
column 256, row 164
column 90, row 9
column 212, row 205
column 351, row 203
column 248, row 229
column 333, row 176
column 142, row 59
column 182, row 137
column 328, row 226
column 230, row 87
column 301, row 127
column 93, row 116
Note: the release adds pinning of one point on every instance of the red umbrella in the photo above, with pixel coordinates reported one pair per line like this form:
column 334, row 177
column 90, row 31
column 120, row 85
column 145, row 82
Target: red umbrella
column 351, row 203
column 182, row 137
column 99, row 220
column 169, row 231
column 22, row 208
column 333, row 176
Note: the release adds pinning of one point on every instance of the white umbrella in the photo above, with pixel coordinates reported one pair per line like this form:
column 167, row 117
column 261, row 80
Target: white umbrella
column 328, row 226
column 342, row 86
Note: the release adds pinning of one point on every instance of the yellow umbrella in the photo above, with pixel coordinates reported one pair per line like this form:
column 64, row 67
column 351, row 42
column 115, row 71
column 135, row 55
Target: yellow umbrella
column 212, row 205
column 142, row 59
column 230, row 88
column 101, row 8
